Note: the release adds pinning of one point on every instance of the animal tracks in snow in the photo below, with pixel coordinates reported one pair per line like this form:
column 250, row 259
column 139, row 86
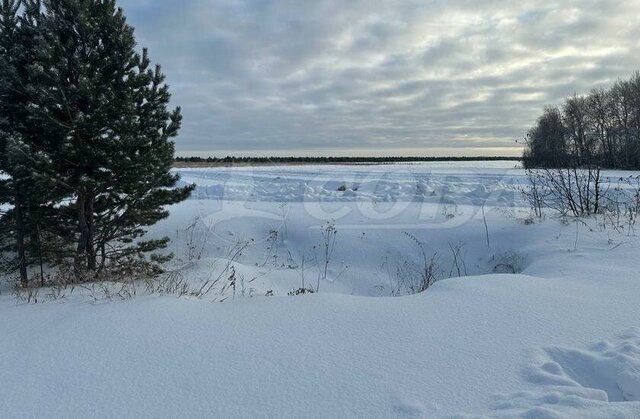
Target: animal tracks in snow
column 602, row 380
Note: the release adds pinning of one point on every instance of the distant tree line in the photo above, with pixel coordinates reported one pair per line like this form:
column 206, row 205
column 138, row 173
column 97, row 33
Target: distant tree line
column 321, row 160
column 85, row 141
column 601, row 128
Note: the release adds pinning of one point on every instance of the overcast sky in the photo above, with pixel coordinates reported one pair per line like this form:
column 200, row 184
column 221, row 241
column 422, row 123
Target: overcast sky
column 362, row 77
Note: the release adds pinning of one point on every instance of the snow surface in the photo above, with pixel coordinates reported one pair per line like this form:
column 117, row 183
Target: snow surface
column 560, row 338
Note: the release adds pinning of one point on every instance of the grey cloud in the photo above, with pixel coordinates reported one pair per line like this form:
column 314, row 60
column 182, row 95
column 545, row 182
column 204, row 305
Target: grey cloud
column 294, row 75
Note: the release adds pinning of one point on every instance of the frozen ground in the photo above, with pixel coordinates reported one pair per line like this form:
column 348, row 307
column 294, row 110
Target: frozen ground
column 558, row 338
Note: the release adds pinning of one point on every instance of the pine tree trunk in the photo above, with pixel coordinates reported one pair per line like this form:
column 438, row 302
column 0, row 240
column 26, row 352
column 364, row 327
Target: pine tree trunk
column 40, row 258
column 103, row 258
column 85, row 250
column 83, row 228
column 91, row 252
column 20, row 233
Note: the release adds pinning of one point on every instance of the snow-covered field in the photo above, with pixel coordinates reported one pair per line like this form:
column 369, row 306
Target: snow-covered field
column 560, row 337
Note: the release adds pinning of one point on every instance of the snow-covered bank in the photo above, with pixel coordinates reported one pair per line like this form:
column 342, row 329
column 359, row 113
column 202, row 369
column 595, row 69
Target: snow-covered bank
column 560, row 339
column 486, row 345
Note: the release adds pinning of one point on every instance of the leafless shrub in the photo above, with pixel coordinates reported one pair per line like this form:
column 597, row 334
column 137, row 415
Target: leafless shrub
column 227, row 272
column 413, row 276
column 302, row 268
column 576, row 191
column 486, row 227
column 230, row 282
column 121, row 281
column 196, row 239
column 246, row 290
column 622, row 205
column 26, row 293
column 272, row 247
column 328, row 245
column 527, row 220
column 173, row 283
column 534, row 193
column 449, row 210
column 510, row 261
column 127, row 291
column 458, row 266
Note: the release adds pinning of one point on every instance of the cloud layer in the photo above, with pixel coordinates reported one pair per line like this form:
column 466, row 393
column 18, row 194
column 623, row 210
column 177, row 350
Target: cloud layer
column 334, row 77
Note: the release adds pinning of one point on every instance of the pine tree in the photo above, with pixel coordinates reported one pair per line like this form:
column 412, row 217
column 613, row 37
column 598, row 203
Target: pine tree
column 13, row 231
column 106, row 111
column 29, row 187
